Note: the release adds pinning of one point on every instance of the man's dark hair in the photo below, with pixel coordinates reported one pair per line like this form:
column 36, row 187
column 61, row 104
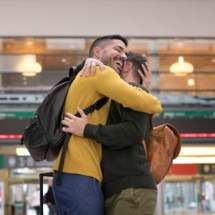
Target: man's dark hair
column 137, row 60
column 101, row 41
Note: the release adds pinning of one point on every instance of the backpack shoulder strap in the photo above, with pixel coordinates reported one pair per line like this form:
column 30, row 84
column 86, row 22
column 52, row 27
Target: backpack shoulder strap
column 73, row 71
column 96, row 106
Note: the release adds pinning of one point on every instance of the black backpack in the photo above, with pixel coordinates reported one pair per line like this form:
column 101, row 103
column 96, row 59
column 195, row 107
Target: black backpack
column 43, row 135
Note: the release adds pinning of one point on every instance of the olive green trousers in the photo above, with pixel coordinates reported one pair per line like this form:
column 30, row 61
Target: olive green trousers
column 132, row 201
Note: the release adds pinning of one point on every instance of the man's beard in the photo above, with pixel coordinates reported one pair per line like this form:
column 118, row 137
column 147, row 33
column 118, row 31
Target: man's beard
column 111, row 62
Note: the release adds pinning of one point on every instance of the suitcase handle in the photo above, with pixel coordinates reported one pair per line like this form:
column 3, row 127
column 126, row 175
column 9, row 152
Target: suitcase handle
column 41, row 175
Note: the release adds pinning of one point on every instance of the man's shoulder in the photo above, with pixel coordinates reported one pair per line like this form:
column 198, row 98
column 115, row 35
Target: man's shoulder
column 138, row 85
column 107, row 70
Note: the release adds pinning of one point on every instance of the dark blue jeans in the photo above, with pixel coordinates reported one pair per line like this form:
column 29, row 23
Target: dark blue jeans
column 52, row 210
column 78, row 195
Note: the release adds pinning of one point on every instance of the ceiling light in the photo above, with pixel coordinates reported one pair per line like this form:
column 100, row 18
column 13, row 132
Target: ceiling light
column 194, row 160
column 29, row 74
column 22, row 152
column 196, row 154
column 36, row 69
column 191, row 82
column 181, row 67
column 197, row 151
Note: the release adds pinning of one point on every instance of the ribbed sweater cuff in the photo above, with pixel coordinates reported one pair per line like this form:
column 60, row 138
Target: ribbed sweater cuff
column 89, row 131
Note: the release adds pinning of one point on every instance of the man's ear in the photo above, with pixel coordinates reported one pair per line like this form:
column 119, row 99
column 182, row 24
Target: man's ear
column 128, row 67
column 97, row 53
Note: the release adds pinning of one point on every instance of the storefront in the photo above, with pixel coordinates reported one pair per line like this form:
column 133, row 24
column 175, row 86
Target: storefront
column 190, row 188
column 19, row 178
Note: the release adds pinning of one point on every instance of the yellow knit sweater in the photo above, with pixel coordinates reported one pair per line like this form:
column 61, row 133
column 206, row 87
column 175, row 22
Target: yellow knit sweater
column 83, row 155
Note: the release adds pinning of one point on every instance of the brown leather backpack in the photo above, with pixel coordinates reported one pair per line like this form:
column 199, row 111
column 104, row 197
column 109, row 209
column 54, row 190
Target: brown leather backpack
column 162, row 147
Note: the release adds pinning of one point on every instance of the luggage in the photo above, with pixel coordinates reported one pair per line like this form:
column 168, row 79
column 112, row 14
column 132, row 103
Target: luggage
column 42, row 175
column 43, row 135
column 162, row 147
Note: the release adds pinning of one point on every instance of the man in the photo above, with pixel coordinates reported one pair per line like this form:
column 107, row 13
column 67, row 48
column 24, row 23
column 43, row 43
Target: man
column 80, row 192
column 128, row 185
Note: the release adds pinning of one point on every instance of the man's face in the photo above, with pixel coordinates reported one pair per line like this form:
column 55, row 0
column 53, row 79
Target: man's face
column 124, row 69
column 113, row 55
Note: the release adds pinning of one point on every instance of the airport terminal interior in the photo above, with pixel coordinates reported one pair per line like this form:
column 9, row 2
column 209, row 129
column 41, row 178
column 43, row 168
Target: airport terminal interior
column 183, row 78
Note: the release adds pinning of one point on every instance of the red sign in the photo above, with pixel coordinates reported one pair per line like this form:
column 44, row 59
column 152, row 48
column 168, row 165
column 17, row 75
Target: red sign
column 184, row 169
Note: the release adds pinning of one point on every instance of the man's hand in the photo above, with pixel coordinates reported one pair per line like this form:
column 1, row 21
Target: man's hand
column 90, row 67
column 75, row 125
column 146, row 79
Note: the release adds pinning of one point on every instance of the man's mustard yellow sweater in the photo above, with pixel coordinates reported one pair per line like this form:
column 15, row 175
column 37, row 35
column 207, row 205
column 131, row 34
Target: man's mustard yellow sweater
column 83, row 155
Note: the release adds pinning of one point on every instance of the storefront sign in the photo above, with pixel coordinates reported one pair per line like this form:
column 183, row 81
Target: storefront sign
column 184, row 169
column 164, row 114
column 13, row 161
column 13, row 114
column 207, row 168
